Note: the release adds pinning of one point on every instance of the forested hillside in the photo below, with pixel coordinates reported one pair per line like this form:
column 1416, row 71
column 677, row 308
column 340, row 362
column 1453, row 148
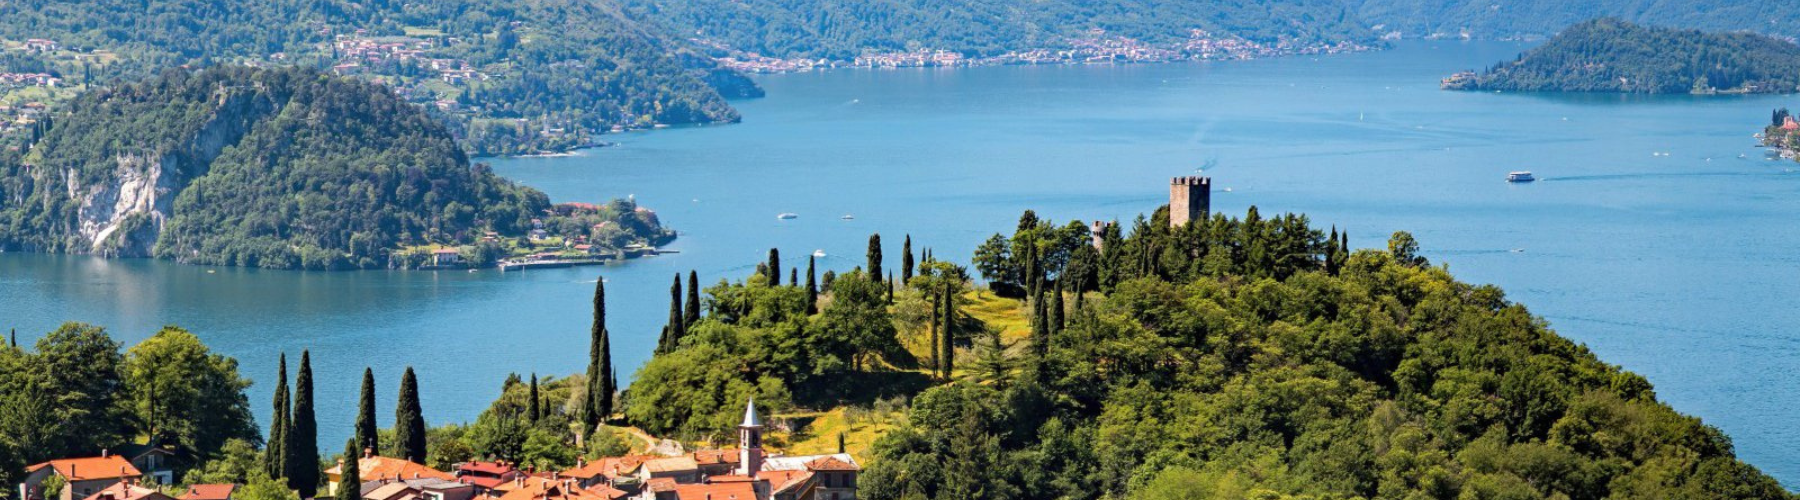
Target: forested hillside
column 1233, row 358
column 1610, row 55
column 843, row 30
column 1542, row 18
column 285, row 168
column 514, row 77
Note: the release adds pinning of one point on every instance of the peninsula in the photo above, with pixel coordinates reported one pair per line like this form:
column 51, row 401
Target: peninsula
column 1610, row 55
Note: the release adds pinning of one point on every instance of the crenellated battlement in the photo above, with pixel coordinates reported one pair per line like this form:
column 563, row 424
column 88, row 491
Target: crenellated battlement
column 1190, row 199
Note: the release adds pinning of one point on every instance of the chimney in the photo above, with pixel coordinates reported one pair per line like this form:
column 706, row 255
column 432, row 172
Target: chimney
column 103, row 453
column 368, row 452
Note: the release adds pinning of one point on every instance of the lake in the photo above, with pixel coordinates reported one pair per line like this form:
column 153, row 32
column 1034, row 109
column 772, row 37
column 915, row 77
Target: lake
column 1647, row 238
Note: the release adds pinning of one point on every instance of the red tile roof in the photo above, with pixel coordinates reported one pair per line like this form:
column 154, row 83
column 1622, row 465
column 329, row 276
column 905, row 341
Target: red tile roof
column 831, row 464
column 209, row 492
column 716, row 491
column 781, row 480
column 713, row 457
column 126, row 491
column 494, row 468
column 609, row 467
column 373, row 468
column 83, row 469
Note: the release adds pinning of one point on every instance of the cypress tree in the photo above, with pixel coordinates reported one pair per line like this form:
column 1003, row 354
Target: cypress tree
column 890, row 289
column 532, row 411
column 1040, row 329
column 812, row 288
column 350, row 482
column 793, row 276
column 599, row 376
column 947, row 330
column 906, row 260
column 774, row 274
column 15, row 337
column 1056, row 309
column 367, row 435
column 875, row 257
column 275, row 451
column 1331, row 261
column 303, row 437
column 675, row 328
column 409, row 420
column 692, row 314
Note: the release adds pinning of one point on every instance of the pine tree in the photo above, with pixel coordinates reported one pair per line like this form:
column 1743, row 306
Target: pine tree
column 367, row 434
column 409, row 420
column 812, row 288
column 774, row 274
column 532, row 411
column 350, row 482
column 875, row 257
column 275, row 451
column 692, row 314
column 599, row 376
column 948, row 331
column 303, row 437
column 906, row 260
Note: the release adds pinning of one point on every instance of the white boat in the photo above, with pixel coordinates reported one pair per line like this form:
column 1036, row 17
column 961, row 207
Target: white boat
column 848, row 217
column 787, row 215
column 820, row 253
column 1520, row 176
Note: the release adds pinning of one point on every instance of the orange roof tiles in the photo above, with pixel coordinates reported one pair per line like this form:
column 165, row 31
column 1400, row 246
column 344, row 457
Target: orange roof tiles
column 209, row 492
column 552, row 489
column 713, row 457
column 781, row 480
column 608, row 466
column 373, row 468
column 829, row 463
column 83, row 469
column 716, row 491
column 126, row 491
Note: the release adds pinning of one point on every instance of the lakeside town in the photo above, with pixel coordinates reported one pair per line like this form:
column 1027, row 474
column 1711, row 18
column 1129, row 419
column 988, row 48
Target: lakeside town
column 661, row 472
column 1096, row 47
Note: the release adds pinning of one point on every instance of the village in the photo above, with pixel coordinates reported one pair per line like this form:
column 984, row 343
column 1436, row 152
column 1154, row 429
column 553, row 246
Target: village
column 1097, row 46
column 747, row 472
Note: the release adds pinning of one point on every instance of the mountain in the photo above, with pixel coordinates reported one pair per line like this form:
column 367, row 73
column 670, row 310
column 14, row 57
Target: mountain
column 1487, row 19
column 1610, row 55
column 975, row 28
column 280, row 168
column 512, row 76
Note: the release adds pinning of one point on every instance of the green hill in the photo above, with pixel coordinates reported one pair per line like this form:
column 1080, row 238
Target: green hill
column 1609, row 55
column 285, row 168
column 1542, row 18
column 513, row 76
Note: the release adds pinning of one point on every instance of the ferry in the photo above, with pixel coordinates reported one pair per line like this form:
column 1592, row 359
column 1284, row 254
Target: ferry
column 820, row 253
column 848, row 217
column 787, row 215
column 1520, row 176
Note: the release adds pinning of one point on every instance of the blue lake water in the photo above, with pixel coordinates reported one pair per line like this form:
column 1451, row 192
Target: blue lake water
column 1679, row 266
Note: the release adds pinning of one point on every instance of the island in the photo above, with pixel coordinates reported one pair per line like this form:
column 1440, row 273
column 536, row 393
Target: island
column 1611, row 55
column 283, row 168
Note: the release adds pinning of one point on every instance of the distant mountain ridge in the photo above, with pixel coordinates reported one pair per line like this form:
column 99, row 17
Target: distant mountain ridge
column 1611, row 55
column 1494, row 20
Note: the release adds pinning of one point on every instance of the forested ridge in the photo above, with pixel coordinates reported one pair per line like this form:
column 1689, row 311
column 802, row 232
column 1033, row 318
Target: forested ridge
column 575, row 65
column 1542, row 18
column 1233, row 358
column 1610, row 55
column 841, row 31
column 282, row 168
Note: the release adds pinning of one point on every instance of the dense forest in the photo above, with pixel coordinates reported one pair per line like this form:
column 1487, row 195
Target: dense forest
column 1542, row 18
column 285, row 168
column 1232, row 358
column 841, row 31
column 1610, row 55
column 578, row 66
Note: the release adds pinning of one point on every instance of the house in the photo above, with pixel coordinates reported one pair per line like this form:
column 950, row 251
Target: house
column 209, row 492
column 618, row 472
column 1790, row 124
column 541, row 488
column 372, row 468
column 379, row 490
column 446, row 257
column 726, row 490
column 128, row 490
column 417, row 489
column 82, row 476
column 152, row 460
column 485, row 476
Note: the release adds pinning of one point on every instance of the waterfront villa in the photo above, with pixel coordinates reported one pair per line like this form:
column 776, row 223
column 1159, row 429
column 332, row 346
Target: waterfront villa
column 82, row 476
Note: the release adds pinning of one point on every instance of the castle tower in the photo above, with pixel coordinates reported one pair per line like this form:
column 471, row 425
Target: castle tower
column 1190, row 199
column 750, row 452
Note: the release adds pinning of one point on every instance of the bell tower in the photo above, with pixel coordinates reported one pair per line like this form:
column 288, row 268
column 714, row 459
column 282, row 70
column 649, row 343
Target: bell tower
column 750, row 452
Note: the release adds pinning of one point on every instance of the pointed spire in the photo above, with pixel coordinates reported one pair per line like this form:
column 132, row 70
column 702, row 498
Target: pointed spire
column 750, row 418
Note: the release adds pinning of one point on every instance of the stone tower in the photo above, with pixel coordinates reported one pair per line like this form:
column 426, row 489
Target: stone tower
column 1190, row 199
column 750, row 452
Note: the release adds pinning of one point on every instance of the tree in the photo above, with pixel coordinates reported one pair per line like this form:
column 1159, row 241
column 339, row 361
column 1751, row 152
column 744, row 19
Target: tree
column 906, row 260
column 1405, row 249
column 947, row 330
column 692, row 314
column 262, row 487
column 303, row 440
column 183, row 394
column 598, row 405
column 992, row 366
column 875, row 257
column 532, row 412
column 350, row 482
column 674, row 330
column 774, row 275
column 409, row 420
column 1056, row 309
column 275, row 451
column 368, row 435
column 812, row 287
column 81, row 365
column 994, row 260
column 236, row 462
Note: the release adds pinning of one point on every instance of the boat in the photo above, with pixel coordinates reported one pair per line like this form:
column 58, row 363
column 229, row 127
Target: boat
column 848, row 217
column 787, row 215
column 820, row 253
column 1520, row 176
